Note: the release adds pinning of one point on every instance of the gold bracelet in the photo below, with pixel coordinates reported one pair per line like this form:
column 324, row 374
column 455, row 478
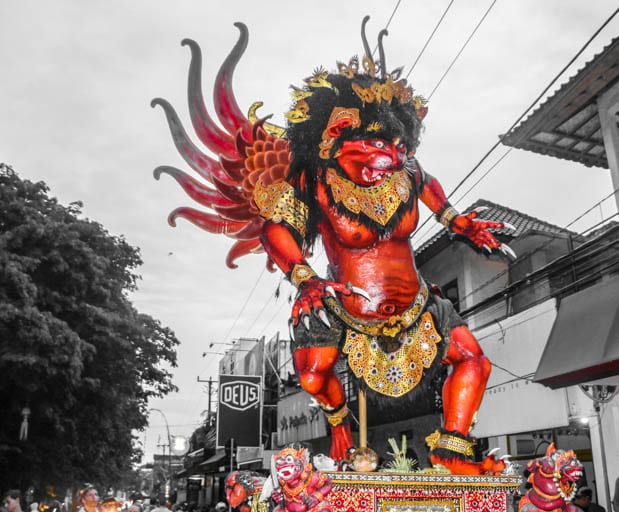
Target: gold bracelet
column 451, row 443
column 448, row 214
column 300, row 274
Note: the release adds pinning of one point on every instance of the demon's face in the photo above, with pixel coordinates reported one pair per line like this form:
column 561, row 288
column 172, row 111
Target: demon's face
column 289, row 465
column 369, row 162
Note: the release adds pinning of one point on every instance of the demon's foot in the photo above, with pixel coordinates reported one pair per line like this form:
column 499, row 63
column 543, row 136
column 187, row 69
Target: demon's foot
column 488, row 466
column 455, row 451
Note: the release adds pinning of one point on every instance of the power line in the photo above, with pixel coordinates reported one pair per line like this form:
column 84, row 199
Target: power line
column 388, row 22
column 535, row 101
column 462, row 49
column 527, row 110
column 429, row 39
column 540, row 247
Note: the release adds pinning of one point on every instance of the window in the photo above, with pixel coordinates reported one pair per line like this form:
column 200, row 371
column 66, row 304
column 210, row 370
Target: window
column 450, row 291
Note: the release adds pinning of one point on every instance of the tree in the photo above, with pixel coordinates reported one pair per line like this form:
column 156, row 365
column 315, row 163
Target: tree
column 73, row 349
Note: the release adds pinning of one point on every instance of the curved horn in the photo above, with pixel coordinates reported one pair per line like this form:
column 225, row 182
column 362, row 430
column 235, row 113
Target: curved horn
column 197, row 191
column 381, row 53
column 241, row 248
column 366, row 46
column 204, row 165
column 226, row 106
column 207, row 130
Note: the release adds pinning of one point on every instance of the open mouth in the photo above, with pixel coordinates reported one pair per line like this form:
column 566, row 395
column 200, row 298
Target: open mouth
column 373, row 176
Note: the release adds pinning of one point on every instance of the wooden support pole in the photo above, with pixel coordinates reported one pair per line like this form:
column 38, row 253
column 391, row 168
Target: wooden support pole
column 363, row 419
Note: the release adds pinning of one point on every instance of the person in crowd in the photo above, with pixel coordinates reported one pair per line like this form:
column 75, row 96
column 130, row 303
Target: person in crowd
column 89, row 499
column 109, row 504
column 12, row 501
column 583, row 500
column 158, row 506
column 135, row 507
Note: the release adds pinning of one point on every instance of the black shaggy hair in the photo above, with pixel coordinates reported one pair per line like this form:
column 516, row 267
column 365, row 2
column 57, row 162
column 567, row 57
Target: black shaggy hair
column 397, row 119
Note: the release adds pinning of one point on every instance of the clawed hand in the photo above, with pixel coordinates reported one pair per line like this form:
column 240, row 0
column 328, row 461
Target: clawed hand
column 477, row 230
column 309, row 300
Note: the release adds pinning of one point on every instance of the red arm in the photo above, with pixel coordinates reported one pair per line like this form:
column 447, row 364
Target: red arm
column 476, row 230
column 283, row 246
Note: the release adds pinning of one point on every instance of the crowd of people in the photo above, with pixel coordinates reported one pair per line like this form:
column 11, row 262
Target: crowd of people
column 89, row 501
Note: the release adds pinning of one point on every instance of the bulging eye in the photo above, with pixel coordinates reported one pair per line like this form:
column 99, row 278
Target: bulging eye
column 290, row 459
column 378, row 143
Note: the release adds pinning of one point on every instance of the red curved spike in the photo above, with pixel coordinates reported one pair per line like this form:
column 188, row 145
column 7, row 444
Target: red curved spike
column 233, row 168
column 236, row 212
column 217, row 140
column 230, row 191
column 226, row 106
column 241, row 143
column 241, row 248
column 252, row 230
column 196, row 190
column 206, row 221
column 198, row 161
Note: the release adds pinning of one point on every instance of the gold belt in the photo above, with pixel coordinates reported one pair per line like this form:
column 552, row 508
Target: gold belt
column 392, row 326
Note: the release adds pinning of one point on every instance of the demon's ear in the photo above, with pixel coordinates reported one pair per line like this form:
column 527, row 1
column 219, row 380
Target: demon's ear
column 550, row 450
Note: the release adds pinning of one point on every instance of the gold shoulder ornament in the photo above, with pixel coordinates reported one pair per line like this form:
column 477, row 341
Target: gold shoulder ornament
column 278, row 203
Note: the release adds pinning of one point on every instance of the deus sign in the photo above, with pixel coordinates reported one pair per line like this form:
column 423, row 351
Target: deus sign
column 240, row 395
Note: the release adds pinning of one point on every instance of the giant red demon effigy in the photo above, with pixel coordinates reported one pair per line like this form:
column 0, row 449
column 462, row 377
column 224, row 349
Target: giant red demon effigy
column 343, row 172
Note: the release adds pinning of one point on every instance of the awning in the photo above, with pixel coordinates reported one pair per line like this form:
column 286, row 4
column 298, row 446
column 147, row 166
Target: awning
column 213, row 462
column 583, row 345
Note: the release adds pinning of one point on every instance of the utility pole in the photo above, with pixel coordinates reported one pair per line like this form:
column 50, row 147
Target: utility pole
column 167, row 427
column 210, row 392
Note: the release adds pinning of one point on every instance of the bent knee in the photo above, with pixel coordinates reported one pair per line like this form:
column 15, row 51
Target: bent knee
column 312, row 382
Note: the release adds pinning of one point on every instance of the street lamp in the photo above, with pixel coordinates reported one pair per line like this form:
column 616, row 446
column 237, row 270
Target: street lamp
column 167, row 427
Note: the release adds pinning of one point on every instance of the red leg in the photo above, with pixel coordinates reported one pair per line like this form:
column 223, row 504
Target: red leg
column 315, row 369
column 464, row 388
column 462, row 394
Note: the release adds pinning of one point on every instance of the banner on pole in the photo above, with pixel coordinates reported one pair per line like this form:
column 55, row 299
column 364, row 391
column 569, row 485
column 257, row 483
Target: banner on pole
column 239, row 414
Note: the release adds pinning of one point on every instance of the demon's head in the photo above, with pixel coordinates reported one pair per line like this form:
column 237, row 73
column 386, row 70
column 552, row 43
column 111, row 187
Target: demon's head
column 241, row 486
column 292, row 464
column 563, row 467
column 361, row 123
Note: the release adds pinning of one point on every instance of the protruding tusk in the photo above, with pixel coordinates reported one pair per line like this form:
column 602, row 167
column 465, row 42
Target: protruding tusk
column 322, row 315
column 360, row 291
column 291, row 329
column 480, row 209
column 306, row 321
column 487, row 248
column 329, row 291
column 493, row 451
column 507, row 225
column 506, row 249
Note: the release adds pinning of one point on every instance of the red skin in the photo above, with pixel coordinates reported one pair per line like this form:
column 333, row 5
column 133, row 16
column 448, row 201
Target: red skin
column 544, row 495
column 385, row 269
column 310, row 499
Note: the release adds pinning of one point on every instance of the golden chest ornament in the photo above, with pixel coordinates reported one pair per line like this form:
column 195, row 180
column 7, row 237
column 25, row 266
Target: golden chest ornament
column 379, row 203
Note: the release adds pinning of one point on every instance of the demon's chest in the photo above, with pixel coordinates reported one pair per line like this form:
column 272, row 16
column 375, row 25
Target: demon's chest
column 360, row 216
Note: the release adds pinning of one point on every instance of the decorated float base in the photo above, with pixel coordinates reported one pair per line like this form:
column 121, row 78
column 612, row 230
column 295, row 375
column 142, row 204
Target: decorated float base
column 425, row 492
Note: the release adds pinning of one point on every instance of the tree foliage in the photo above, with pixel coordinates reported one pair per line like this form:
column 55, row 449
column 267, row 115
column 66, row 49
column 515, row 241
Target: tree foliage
column 73, row 349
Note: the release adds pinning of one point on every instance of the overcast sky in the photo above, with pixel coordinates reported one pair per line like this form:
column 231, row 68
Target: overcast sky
column 77, row 78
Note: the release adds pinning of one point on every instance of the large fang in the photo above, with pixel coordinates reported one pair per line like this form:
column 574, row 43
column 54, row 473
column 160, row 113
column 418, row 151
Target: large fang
column 372, row 175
